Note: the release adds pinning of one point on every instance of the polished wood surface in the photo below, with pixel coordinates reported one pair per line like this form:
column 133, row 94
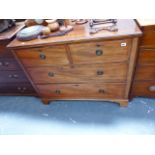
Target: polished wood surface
column 12, row 79
column 82, row 91
column 82, row 66
column 126, row 28
column 111, row 72
column 11, row 32
column 144, row 78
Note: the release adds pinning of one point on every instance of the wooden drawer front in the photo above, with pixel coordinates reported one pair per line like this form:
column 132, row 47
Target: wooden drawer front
column 146, row 56
column 145, row 73
column 12, row 76
column 16, row 88
column 9, row 64
column 146, row 89
column 82, row 91
column 54, row 55
column 102, row 72
column 148, row 38
column 99, row 52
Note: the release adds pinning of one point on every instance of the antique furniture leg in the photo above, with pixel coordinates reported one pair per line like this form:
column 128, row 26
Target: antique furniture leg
column 45, row 101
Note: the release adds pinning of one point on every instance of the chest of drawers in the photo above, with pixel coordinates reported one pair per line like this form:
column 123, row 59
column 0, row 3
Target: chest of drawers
column 80, row 66
column 13, row 81
column 144, row 79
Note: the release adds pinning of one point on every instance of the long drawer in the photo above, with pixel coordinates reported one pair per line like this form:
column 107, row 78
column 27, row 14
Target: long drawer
column 51, row 55
column 82, row 91
column 146, row 56
column 12, row 76
column 99, row 52
column 9, row 64
column 146, row 89
column 16, row 88
column 145, row 72
column 82, row 73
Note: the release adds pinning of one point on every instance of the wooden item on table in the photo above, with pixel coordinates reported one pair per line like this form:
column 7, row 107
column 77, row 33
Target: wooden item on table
column 46, row 31
column 144, row 78
column 80, row 66
column 12, row 78
column 53, row 25
column 32, row 22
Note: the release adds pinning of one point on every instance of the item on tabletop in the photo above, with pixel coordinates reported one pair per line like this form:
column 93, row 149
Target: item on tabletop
column 30, row 33
column 46, row 31
column 32, row 22
column 80, row 21
column 96, row 25
column 53, row 24
column 6, row 24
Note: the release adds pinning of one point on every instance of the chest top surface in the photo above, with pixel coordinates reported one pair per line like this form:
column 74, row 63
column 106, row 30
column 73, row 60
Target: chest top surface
column 126, row 28
column 11, row 32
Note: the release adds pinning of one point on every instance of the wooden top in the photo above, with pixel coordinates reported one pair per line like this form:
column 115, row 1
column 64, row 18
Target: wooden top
column 11, row 32
column 146, row 24
column 126, row 28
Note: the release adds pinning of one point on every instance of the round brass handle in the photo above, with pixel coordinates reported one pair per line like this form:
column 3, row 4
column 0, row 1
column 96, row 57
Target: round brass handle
column 100, row 72
column 42, row 56
column 102, row 91
column 99, row 52
column 152, row 88
column 51, row 74
column 58, row 92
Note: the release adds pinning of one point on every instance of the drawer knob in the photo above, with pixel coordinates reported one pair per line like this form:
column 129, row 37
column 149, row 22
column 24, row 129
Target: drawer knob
column 13, row 76
column 1, row 64
column 21, row 89
column 99, row 52
column 42, row 56
column 51, row 74
column 101, row 91
column 100, row 72
column 152, row 88
column 58, row 92
column 6, row 63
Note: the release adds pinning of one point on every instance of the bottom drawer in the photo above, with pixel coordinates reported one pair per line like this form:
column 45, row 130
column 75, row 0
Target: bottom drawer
column 16, row 88
column 145, row 89
column 82, row 91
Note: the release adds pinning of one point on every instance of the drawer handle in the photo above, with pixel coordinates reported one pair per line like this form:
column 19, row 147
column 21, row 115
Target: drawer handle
column 21, row 89
column 58, row 92
column 101, row 91
column 1, row 64
column 13, row 76
column 100, row 72
column 6, row 63
column 51, row 74
column 152, row 88
column 42, row 56
column 99, row 52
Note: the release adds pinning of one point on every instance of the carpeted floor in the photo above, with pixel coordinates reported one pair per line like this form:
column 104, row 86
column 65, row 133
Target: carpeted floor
column 27, row 115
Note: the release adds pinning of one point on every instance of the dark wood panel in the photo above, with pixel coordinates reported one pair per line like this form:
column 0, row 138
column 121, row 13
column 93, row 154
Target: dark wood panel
column 82, row 91
column 146, row 56
column 9, row 64
column 52, row 55
column 145, row 89
column 16, row 88
column 99, row 52
column 145, row 73
column 82, row 73
column 12, row 76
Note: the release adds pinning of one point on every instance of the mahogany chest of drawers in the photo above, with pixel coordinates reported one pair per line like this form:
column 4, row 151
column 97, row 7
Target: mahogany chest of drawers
column 144, row 79
column 13, row 81
column 80, row 66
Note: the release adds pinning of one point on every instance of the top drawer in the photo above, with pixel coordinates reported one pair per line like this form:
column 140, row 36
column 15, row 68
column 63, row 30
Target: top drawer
column 99, row 52
column 51, row 55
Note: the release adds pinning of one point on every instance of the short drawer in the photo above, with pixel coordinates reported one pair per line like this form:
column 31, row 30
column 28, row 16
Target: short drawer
column 146, row 56
column 16, row 88
column 145, row 73
column 9, row 64
column 116, row 72
column 99, row 52
column 12, row 76
column 148, row 38
column 144, row 89
column 52, row 55
column 82, row 91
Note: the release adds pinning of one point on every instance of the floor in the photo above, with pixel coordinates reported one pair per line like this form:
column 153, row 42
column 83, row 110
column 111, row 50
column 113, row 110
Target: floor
column 27, row 115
